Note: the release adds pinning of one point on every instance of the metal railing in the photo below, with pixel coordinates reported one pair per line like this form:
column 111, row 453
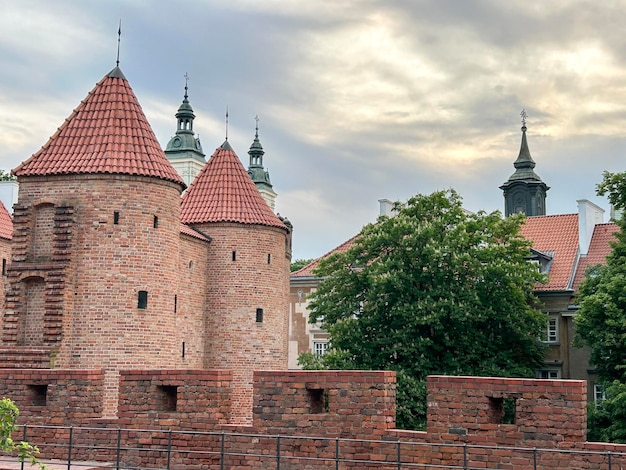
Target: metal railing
column 125, row 449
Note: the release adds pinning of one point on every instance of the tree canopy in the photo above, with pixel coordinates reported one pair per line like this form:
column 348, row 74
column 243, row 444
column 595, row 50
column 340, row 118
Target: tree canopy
column 431, row 290
column 601, row 324
column 8, row 417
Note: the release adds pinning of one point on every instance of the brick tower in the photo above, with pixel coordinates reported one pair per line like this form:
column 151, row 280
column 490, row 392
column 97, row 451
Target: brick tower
column 96, row 241
column 248, row 275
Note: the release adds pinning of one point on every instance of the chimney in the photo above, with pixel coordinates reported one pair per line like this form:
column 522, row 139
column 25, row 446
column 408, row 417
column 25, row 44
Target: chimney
column 386, row 207
column 8, row 194
column 589, row 215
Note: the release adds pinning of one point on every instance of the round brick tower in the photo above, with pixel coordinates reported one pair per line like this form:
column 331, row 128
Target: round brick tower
column 248, row 280
column 97, row 227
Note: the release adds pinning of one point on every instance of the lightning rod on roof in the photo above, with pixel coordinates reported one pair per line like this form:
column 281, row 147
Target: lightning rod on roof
column 226, row 122
column 256, row 134
column 524, row 115
column 186, row 82
column 119, row 35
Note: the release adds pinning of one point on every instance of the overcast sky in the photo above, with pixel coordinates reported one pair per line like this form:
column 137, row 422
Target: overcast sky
column 358, row 100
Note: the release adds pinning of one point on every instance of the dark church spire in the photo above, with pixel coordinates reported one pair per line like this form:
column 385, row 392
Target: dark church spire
column 257, row 172
column 524, row 191
column 184, row 150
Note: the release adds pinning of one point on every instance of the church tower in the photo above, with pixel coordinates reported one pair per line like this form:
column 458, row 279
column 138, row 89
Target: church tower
column 184, row 150
column 524, row 191
column 260, row 175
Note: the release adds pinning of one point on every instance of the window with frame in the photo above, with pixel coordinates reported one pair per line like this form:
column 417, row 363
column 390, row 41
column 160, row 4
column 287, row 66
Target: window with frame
column 598, row 393
column 319, row 348
column 552, row 330
column 550, row 374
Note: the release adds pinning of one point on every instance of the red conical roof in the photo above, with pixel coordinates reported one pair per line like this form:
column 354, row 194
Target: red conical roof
column 224, row 192
column 106, row 133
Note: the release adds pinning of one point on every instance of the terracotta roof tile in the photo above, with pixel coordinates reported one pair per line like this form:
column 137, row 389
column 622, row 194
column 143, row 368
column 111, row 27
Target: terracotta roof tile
column 553, row 233
column 224, row 192
column 599, row 248
column 307, row 271
column 187, row 230
column 106, row 133
column 6, row 223
column 557, row 234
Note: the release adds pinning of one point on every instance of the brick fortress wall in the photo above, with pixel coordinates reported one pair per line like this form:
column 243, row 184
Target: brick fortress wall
column 84, row 247
column 534, row 414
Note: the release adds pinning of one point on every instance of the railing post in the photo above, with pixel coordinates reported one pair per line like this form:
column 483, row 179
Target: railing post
column 69, row 448
column 399, row 458
column 118, row 449
column 278, row 452
column 169, row 448
column 25, row 440
column 609, row 456
column 222, row 452
column 336, row 453
column 534, row 458
column 464, row 456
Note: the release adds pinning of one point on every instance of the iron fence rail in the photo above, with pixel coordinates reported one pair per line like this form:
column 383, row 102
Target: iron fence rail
column 157, row 449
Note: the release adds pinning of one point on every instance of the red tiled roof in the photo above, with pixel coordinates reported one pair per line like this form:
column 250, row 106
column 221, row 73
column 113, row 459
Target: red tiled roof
column 224, row 192
column 6, row 223
column 557, row 234
column 599, row 248
column 187, row 230
column 106, row 133
column 307, row 271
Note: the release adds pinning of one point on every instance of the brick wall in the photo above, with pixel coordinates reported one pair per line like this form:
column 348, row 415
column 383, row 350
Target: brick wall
column 355, row 404
column 191, row 311
column 350, row 412
column 248, row 276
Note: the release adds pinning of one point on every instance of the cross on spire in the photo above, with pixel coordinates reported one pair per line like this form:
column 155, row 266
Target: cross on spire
column 256, row 118
column 186, row 84
column 524, row 115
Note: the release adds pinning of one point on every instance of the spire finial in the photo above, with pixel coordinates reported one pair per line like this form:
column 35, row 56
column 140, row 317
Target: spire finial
column 186, row 84
column 256, row 133
column 524, row 115
column 119, row 36
column 226, row 122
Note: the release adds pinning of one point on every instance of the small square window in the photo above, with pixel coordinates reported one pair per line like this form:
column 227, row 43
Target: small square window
column 502, row 410
column 142, row 299
column 318, row 400
column 38, row 395
column 168, row 397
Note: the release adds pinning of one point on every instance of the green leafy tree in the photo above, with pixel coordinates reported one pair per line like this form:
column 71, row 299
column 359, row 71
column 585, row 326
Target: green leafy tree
column 6, row 176
column 432, row 290
column 601, row 324
column 299, row 264
column 8, row 417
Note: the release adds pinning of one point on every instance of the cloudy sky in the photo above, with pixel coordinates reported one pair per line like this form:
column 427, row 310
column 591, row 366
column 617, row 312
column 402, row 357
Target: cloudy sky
column 358, row 99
